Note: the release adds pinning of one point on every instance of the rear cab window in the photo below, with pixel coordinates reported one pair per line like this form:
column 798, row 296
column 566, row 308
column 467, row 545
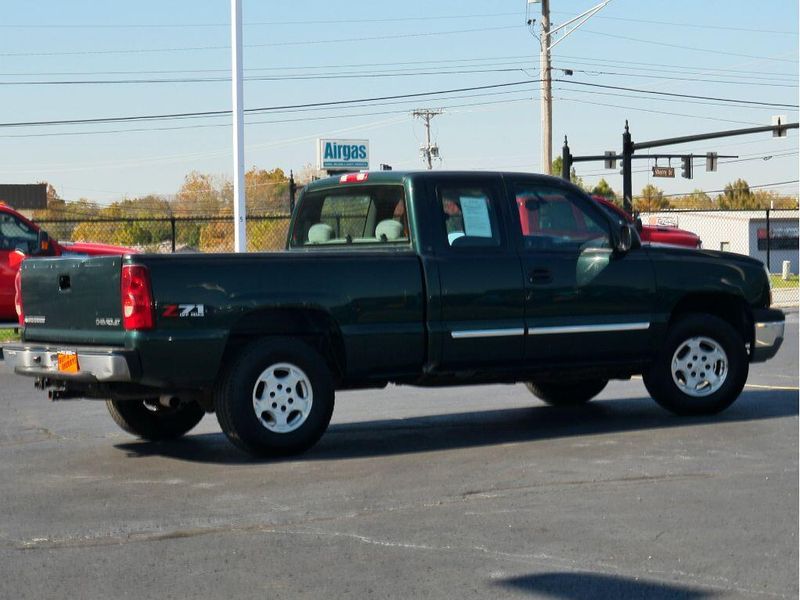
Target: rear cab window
column 352, row 216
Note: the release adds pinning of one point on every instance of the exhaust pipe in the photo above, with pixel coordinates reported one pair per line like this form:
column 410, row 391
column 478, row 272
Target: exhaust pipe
column 63, row 394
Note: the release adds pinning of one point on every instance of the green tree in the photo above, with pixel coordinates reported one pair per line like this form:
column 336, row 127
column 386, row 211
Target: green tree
column 697, row 199
column 651, row 199
column 604, row 189
column 737, row 195
column 267, row 192
column 573, row 175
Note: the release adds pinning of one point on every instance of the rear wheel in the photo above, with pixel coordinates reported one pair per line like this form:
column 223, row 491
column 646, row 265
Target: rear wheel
column 151, row 420
column 277, row 398
column 567, row 394
column 701, row 369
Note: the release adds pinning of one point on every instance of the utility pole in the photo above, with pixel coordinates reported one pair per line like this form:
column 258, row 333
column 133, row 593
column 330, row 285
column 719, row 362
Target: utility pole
column 429, row 151
column 546, row 45
column 239, row 204
column 547, row 98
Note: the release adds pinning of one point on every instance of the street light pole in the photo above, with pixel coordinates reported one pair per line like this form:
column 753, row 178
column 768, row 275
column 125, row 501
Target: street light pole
column 239, row 204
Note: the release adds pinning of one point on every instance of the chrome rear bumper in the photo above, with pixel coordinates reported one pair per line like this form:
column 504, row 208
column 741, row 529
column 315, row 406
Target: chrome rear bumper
column 99, row 364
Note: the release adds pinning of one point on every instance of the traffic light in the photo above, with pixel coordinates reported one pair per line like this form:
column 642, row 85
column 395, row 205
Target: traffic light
column 686, row 167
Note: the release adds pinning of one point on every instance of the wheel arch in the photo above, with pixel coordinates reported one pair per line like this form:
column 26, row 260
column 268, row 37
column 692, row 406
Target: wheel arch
column 316, row 327
column 728, row 307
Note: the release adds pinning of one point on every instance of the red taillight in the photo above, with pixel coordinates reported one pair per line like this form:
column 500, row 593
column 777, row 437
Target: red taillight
column 18, row 298
column 353, row 177
column 137, row 299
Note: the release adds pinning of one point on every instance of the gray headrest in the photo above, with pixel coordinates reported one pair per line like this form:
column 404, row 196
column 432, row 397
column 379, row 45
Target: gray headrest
column 393, row 230
column 320, row 233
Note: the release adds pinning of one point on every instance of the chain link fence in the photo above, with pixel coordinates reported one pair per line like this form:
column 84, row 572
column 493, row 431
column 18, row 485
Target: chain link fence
column 173, row 234
column 769, row 235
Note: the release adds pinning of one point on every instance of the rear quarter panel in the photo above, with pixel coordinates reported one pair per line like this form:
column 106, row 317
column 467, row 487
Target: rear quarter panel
column 375, row 300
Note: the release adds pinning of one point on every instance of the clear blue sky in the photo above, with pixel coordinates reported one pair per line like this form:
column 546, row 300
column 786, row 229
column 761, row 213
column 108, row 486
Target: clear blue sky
column 722, row 48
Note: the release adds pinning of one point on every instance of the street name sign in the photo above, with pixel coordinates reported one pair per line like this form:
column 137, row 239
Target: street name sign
column 663, row 171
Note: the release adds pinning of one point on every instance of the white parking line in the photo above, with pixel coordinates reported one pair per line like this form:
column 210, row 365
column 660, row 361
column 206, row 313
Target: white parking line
column 773, row 387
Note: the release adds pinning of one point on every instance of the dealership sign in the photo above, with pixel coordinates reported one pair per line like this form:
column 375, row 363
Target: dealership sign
column 340, row 155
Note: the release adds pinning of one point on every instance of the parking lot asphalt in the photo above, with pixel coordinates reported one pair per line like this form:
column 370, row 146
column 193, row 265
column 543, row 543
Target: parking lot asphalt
column 478, row 492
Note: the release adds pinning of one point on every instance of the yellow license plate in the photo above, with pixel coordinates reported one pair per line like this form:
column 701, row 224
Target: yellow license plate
column 68, row 362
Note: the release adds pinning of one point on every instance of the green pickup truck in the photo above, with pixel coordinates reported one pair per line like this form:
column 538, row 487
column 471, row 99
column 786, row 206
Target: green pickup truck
column 419, row 278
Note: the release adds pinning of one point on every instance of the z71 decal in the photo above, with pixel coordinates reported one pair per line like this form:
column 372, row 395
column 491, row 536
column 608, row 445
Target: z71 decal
column 181, row 311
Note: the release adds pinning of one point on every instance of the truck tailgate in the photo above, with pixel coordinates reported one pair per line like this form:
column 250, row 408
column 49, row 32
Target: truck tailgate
column 73, row 300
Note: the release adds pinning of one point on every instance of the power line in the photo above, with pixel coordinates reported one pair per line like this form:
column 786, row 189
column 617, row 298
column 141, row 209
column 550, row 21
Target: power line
column 762, row 185
column 705, row 80
column 682, row 47
column 658, row 112
column 264, row 45
column 258, row 23
column 694, row 25
column 593, row 93
column 616, row 62
column 332, row 103
column 220, row 113
column 280, row 121
column 260, row 78
column 676, row 95
column 274, row 68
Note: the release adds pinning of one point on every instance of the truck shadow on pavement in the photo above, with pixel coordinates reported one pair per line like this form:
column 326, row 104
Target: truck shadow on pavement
column 476, row 428
column 578, row 586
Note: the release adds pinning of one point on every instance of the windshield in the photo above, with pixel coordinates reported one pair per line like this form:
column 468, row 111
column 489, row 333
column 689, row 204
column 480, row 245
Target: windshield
column 352, row 215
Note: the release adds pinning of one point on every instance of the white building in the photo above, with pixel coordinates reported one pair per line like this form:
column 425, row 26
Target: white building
column 743, row 232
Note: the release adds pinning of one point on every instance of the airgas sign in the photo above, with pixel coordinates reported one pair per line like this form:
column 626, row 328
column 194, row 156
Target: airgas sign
column 342, row 155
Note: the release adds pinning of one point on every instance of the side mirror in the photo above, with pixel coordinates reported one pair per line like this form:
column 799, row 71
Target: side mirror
column 638, row 224
column 43, row 243
column 624, row 238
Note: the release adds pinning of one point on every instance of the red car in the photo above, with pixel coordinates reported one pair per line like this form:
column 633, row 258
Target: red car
column 19, row 238
column 654, row 234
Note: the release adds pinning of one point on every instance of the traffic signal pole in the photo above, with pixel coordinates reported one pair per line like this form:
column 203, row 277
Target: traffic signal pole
column 629, row 147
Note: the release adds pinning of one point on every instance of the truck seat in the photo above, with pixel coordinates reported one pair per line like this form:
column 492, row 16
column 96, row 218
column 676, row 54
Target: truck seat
column 320, row 233
column 389, row 230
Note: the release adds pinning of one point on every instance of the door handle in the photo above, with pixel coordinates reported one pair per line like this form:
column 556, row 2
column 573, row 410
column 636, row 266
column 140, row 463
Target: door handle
column 540, row 276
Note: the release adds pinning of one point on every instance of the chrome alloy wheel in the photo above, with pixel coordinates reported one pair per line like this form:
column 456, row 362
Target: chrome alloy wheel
column 282, row 397
column 699, row 366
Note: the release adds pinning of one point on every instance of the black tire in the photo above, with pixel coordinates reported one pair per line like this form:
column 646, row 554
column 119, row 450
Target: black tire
column 154, row 422
column 661, row 385
column 235, row 398
column 567, row 394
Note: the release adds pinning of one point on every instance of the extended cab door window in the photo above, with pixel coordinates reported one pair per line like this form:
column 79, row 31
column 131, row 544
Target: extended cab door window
column 470, row 218
column 479, row 273
column 583, row 301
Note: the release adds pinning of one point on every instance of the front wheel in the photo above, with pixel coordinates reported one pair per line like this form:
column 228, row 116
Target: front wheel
column 567, row 394
column 276, row 399
column 153, row 421
column 701, row 369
